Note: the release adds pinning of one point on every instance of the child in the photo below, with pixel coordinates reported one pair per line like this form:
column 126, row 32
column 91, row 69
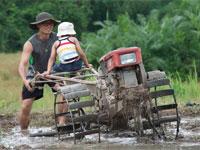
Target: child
column 68, row 49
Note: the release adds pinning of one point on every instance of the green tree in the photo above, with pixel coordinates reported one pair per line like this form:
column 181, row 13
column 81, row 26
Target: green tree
column 169, row 39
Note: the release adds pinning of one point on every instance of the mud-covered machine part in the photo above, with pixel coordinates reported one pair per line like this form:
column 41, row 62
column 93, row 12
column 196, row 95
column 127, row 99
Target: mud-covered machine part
column 134, row 94
column 81, row 115
column 117, row 94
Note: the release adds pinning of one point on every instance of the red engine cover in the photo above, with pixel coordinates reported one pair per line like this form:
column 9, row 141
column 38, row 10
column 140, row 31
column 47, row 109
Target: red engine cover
column 112, row 59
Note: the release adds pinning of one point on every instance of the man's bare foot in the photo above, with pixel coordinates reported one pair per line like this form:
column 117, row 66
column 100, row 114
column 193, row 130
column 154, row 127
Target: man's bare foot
column 24, row 131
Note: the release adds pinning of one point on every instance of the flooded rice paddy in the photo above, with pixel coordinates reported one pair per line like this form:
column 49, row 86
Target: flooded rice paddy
column 189, row 138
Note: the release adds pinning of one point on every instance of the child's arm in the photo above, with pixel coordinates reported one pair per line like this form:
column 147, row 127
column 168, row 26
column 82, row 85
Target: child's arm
column 81, row 53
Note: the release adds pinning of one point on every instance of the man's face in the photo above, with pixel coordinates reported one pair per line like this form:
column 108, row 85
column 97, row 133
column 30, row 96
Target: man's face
column 46, row 27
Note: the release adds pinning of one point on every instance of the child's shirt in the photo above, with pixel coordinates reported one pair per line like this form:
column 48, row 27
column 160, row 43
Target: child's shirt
column 66, row 50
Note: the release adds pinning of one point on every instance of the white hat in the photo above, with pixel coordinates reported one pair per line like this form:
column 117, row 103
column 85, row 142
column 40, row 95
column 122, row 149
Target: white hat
column 65, row 28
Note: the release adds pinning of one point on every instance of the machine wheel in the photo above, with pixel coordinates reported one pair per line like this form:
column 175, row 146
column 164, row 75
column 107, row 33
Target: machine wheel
column 80, row 113
column 164, row 106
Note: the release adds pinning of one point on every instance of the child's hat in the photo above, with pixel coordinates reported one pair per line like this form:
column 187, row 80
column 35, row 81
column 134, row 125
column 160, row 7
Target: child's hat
column 66, row 28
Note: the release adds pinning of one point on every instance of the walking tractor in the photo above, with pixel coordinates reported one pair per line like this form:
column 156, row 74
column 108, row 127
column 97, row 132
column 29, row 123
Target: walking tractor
column 120, row 95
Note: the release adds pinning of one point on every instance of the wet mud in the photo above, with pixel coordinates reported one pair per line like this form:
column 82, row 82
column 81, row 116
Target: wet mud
column 12, row 138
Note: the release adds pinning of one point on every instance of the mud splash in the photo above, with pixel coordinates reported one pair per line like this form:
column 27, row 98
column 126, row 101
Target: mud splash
column 189, row 138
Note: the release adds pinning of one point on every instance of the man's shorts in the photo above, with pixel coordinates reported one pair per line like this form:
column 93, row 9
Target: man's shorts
column 37, row 93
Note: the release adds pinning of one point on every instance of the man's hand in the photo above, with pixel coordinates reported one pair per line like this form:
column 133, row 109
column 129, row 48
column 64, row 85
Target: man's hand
column 27, row 85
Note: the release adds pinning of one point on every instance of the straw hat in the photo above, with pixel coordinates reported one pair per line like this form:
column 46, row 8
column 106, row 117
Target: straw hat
column 66, row 28
column 42, row 17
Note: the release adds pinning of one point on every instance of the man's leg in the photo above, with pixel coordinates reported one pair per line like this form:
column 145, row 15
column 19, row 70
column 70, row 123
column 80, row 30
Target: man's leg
column 62, row 108
column 24, row 116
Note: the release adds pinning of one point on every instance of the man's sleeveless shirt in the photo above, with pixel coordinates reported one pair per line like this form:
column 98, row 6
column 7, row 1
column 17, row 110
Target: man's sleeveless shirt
column 41, row 51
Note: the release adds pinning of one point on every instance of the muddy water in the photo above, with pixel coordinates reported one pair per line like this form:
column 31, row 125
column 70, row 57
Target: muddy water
column 189, row 138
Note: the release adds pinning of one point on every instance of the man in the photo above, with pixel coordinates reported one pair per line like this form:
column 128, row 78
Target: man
column 36, row 52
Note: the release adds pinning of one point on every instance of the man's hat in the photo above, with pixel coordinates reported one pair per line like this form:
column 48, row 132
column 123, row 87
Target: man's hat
column 42, row 17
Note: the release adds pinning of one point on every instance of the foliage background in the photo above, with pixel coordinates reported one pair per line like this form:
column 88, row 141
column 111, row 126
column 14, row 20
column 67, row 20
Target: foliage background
column 168, row 31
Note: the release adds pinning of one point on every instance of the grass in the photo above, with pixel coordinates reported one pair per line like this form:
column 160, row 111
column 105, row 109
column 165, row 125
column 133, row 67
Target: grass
column 187, row 91
column 10, row 82
column 11, row 85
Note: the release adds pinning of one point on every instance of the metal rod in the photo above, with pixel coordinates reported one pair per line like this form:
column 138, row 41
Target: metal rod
column 70, row 79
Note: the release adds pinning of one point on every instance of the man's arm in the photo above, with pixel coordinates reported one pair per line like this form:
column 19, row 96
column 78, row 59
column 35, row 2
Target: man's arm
column 26, row 53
